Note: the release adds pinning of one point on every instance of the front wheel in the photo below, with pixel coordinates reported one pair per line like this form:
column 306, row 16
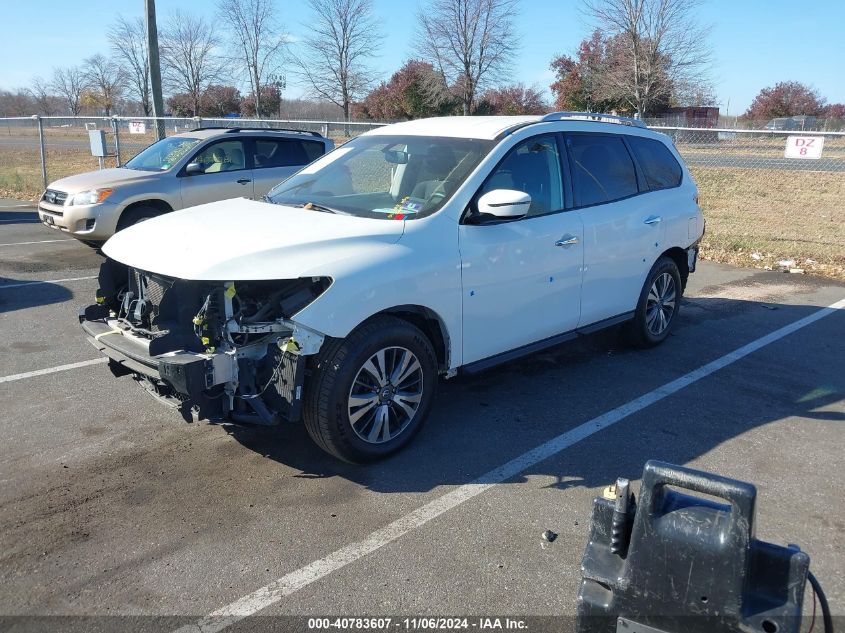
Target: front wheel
column 371, row 392
column 658, row 306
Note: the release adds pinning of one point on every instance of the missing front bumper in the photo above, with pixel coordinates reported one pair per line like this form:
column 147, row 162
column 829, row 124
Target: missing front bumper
column 215, row 386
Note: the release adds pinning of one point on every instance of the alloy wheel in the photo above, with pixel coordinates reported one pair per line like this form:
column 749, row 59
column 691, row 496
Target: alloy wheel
column 660, row 304
column 385, row 395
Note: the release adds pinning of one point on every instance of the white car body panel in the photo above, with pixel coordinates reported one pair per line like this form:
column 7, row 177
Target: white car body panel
column 518, row 287
column 619, row 250
column 493, row 288
column 246, row 240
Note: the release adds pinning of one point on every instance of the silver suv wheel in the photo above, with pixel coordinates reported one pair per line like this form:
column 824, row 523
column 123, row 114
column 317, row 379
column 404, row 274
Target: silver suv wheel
column 385, row 395
column 660, row 305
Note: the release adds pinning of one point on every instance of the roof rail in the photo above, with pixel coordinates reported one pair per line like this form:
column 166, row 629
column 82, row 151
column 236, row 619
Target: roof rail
column 256, row 129
column 594, row 116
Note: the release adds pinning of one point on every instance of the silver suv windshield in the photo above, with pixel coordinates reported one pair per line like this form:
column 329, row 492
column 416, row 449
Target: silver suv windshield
column 386, row 177
column 162, row 155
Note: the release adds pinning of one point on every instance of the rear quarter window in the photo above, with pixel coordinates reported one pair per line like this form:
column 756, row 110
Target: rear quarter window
column 660, row 167
column 288, row 152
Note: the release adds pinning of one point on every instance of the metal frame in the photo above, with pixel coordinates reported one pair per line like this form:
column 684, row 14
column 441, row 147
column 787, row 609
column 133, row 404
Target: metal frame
column 229, row 130
column 594, row 116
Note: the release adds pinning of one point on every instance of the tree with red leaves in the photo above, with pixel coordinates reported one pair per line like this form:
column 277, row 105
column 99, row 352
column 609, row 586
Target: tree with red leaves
column 271, row 98
column 577, row 83
column 835, row 111
column 512, row 100
column 415, row 90
column 787, row 98
column 218, row 101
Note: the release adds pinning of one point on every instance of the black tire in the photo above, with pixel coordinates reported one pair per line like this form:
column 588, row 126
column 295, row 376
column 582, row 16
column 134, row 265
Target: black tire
column 328, row 394
column 136, row 215
column 641, row 331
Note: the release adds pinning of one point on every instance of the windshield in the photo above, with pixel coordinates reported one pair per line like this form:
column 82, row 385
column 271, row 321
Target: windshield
column 388, row 177
column 162, row 155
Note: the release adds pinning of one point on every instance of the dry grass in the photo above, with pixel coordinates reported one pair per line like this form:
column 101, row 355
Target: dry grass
column 755, row 217
column 20, row 169
column 758, row 217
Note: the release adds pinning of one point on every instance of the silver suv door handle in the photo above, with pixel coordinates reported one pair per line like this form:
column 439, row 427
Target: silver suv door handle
column 567, row 240
column 653, row 219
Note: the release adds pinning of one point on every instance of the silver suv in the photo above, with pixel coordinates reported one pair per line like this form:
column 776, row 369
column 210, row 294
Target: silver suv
column 191, row 168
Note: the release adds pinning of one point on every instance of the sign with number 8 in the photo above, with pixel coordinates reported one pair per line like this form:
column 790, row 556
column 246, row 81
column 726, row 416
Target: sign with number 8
column 804, row 147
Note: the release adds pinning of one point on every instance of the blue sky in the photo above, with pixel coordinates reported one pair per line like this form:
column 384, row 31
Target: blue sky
column 755, row 42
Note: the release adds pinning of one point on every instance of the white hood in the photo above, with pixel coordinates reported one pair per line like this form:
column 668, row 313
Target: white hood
column 243, row 240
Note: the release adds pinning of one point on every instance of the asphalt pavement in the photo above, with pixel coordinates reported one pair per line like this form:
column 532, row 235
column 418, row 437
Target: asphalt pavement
column 110, row 505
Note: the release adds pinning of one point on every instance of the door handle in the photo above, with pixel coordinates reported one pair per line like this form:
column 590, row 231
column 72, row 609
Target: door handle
column 567, row 240
column 653, row 219
column 243, row 181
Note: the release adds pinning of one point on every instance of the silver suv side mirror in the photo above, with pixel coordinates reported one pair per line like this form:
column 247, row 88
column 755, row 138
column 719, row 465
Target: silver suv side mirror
column 192, row 169
column 506, row 204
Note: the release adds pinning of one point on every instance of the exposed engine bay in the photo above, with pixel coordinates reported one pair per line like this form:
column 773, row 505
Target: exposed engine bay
column 215, row 350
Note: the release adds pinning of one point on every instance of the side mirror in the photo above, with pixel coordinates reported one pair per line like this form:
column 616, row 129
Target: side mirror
column 192, row 169
column 505, row 204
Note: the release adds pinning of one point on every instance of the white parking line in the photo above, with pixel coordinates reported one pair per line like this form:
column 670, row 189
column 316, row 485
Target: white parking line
column 19, row 221
column 67, row 239
column 304, row 576
column 52, row 370
column 46, row 281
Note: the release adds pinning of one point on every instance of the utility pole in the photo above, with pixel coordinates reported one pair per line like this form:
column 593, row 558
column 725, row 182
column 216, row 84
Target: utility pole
column 155, row 67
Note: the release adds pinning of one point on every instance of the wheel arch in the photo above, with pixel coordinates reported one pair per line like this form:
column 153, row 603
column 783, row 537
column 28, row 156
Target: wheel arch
column 431, row 324
column 679, row 256
column 156, row 203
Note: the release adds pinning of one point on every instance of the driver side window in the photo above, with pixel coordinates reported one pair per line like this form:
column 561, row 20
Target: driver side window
column 222, row 156
column 532, row 167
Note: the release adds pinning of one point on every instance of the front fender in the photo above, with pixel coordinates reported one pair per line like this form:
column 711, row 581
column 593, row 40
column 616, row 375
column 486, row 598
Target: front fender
column 421, row 269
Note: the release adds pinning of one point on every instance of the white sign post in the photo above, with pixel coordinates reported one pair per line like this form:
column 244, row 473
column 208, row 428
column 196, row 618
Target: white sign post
column 137, row 127
column 804, row 147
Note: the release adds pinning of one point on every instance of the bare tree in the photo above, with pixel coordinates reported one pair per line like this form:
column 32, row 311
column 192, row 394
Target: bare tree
column 190, row 52
column 105, row 81
column 658, row 48
column 70, row 83
column 42, row 94
column 343, row 36
column 258, row 39
column 470, row 42
column 128, row 41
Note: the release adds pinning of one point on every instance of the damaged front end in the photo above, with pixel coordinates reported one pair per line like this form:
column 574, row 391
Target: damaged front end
column 216, row 350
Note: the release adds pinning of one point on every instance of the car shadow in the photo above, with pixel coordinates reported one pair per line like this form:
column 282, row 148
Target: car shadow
column 18, row 217
column 21, row 297
column 480, row 422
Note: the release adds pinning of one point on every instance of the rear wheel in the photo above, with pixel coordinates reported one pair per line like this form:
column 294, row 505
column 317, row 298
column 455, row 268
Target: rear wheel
column 136, row 215
column 658, row 306
column 371, row 392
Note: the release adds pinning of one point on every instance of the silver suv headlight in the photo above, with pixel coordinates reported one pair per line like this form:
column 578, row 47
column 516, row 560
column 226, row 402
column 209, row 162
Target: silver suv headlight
column 92, row 196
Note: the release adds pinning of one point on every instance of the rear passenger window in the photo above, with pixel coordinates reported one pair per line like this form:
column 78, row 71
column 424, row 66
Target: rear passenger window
column 602, row 169
column 286, row 152
column 659, row 166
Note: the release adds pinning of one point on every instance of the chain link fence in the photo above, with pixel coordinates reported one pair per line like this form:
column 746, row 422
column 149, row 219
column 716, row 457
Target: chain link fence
column 35, row 151
column 765, row 207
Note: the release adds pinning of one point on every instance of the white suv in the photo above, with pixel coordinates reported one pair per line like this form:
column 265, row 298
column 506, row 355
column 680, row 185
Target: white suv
column 418, row 249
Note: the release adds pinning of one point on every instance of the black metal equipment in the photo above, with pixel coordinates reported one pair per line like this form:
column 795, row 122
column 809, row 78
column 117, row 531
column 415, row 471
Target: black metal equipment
column 675, row 561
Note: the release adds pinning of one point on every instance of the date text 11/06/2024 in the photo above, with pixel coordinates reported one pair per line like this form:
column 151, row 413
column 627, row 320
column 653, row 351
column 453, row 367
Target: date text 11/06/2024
column 417, row 624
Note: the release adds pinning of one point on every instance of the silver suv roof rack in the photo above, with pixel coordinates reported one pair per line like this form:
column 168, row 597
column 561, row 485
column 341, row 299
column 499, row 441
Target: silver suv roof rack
column 593, row 116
